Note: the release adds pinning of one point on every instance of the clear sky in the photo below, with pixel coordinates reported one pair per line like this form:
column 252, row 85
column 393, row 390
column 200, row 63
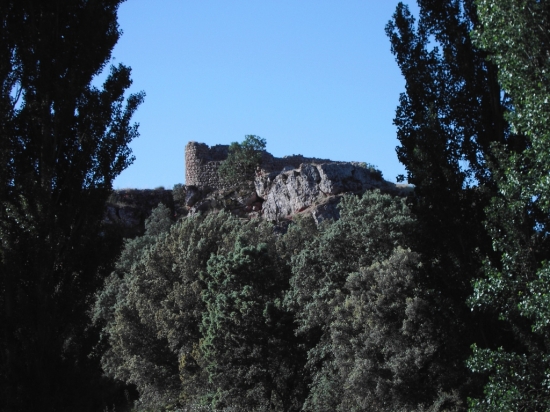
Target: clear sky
column 312, row 77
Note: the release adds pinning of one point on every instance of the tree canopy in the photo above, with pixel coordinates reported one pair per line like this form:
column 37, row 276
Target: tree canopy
column 448, row 120
column 63, row 143
column 515, row 34
column 438, row 301
column 240, row 166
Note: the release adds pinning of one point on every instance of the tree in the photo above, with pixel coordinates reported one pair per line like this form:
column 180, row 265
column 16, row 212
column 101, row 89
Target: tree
column 385, row 341
column 240, row 166
column 170, row 322
column 133, row 350
column 63, row 143
column 448, row 121
column 150, row 308
column 253, row 357
column 371, row 325
column 515, row 285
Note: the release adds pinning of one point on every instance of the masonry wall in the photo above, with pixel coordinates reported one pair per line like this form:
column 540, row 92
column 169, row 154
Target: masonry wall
column 202, row 163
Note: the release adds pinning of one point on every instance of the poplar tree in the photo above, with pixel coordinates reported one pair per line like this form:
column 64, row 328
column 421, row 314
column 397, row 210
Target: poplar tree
column 515, row 285
column 63, row 141
column 448, row 121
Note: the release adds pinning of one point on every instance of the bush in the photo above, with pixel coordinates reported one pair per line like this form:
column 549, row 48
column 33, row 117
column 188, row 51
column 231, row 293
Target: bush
column 240, row 166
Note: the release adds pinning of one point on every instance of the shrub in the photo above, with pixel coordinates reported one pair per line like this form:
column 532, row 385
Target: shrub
column 243, row 159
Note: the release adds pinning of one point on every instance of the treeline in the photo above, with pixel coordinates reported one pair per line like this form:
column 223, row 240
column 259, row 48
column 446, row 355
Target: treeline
column 62, row 143
column 436, row 302
column 219, row 311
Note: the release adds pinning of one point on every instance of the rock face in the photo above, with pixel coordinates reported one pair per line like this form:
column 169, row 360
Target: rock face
column 283, row 187
column 315, row 188
column 202, row 163
column 127, row 209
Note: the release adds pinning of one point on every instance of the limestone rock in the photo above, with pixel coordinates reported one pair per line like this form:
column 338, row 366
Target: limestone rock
column 327, row 211
column 315, row 188
column 127, row 209
column 192, row 195
column 289, row 192
column 283, row 186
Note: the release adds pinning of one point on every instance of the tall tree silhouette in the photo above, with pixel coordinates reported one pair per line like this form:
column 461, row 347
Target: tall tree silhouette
column 63, row 141
column 448, row 120
column 515, row 34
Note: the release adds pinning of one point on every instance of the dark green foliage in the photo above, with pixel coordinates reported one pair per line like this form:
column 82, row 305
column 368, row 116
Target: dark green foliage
column 451, row 111
column 253, row 358
column 136, row 355
column 362, row 307
column 240, row 166
column 178, row 193
column 516, row 383
column 368, row 230
column 448, row 121
column 63, row 142
column 515, row 33
column 385, row 340
column 195, row 315
column 302, row 230
column 158, row 223
column 152, row 308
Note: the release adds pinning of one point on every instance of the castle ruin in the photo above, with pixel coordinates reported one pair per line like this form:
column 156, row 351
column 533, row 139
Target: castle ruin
column 202, row 163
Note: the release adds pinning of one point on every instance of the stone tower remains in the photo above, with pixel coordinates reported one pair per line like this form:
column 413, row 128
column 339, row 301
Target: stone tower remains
column 202, row 163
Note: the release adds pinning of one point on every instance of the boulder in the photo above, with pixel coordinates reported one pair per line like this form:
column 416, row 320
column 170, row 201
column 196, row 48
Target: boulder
column 327, row 211
column 289, row 192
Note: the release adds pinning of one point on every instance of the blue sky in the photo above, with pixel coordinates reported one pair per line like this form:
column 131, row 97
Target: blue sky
column 311, row 77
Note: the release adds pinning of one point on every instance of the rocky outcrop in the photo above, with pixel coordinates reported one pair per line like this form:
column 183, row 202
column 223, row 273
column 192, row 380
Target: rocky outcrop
column 311, row 188
column 127, row 209
column 241, row 201
column 202, row 163
column 283, row 188
column 316, row 189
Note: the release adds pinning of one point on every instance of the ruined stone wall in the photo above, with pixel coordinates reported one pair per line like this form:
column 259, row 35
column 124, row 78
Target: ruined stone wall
column 276, row 164
column 202, row 163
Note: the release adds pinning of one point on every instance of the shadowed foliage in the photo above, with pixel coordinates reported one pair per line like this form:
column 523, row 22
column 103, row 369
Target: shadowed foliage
column 515, row 34
column 63, row 142
column 240, row 166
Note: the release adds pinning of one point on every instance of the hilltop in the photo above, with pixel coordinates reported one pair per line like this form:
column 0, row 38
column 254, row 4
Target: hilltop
column 282, row 188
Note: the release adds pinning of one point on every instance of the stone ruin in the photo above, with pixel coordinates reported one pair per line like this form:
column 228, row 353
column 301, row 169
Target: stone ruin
column 283, row 188
column 202, row 163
